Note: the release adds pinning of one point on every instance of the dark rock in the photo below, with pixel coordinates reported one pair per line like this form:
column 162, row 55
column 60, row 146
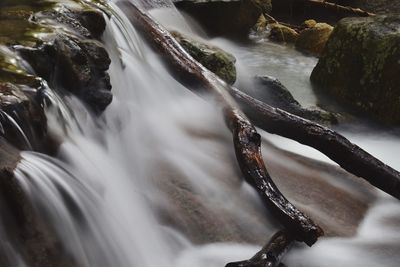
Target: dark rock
column 211, row 57
column 69, row 58
column 360, row 66
column 21, row 117
column 75, row 65
column 274, row 93
column 232, row 18
column 59, row 47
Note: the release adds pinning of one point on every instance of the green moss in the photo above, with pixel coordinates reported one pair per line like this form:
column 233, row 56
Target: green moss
column 213, row 58
column 19, row 26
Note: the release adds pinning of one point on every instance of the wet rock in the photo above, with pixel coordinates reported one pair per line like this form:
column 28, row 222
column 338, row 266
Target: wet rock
column 75, row 65
column 360, row 66
column 282, row 33
column 211, row 57
column 27, row 231
column 274, row 93
column 41, row 43
column 232, row 18
column 59, row 42
column 313, row 39
column 21, row 116
column 308, row 23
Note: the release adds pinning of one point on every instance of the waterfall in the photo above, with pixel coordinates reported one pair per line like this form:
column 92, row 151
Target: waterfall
column 106, row 195
column 153, row 181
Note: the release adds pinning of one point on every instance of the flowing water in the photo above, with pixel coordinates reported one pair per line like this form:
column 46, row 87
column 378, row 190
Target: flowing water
column 154, row 181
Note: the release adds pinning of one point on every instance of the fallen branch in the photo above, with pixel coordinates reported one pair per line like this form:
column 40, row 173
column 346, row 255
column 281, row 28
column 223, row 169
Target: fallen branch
column 348, row 11
column 348, row 155
column 246, row 139
column 270, row 255
column 335, row 146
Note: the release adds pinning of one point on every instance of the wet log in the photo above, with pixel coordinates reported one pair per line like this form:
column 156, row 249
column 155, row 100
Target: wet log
column 270, row 255
column 345, row 10
column 246, row 139
column 349, row 156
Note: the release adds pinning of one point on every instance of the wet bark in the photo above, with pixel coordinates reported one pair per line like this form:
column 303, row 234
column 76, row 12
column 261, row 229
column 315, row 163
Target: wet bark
column 349, row 156
column 245, row 137
column 270, row 255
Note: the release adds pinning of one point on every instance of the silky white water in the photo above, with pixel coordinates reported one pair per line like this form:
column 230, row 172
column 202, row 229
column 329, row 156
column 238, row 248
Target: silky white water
column 154, row 180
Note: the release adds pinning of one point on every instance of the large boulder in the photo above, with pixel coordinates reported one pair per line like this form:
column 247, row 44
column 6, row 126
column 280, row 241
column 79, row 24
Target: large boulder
column 225, row 17
column 211, row 57
column 314, row 37
column 360, row 66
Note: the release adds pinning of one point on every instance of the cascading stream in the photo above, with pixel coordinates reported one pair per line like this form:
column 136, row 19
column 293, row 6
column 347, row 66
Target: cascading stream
column 105, row 207
column 129, row 188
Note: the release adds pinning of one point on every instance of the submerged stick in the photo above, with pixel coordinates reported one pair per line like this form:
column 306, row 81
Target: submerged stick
column 246, row 139
column 270, row 255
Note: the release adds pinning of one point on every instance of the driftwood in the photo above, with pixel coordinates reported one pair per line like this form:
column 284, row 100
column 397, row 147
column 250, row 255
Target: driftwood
column 270, row 255
column 246, row 139
column 345, row 10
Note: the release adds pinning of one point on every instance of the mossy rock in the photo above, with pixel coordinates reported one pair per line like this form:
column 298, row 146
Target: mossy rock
column 282, row 33
column 313, row 38
column 43, row 43
column 69, row 57
column 360, row 66
column 51, row 43
column 211, row 57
